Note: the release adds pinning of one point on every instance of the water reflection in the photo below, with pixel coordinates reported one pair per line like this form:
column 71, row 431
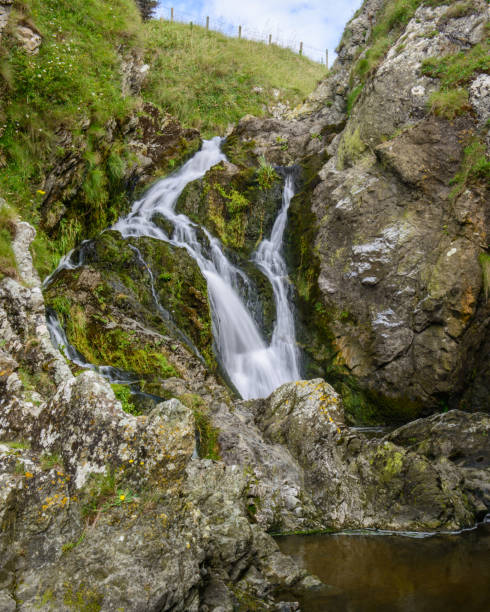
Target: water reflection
column 369, row 573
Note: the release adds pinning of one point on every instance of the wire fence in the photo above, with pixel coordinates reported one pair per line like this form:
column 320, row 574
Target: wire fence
column 217, row 24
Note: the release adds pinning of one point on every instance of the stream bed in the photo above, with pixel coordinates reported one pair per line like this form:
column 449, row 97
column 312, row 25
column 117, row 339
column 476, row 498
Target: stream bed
column 395, row 573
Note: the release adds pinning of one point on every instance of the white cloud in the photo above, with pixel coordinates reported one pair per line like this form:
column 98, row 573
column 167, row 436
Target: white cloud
column 318, row 23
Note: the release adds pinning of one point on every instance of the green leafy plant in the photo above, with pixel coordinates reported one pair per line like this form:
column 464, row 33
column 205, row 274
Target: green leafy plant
column 266, row 175
column 123, row 394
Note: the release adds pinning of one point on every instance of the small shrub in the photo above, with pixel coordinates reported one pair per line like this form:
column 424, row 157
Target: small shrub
column 50, row 461
column 475, row 167
column 8, row 264
column 459, row 9
column 351, row 147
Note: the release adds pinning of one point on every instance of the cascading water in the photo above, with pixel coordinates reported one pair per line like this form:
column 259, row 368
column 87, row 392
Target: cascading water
column 254, row 368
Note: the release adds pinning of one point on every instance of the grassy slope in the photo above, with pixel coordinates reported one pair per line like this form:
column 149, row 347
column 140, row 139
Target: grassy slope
column 74, row 84
column 206, row 79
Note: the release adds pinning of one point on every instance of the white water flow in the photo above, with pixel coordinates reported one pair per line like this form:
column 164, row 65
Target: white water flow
column 253, row 367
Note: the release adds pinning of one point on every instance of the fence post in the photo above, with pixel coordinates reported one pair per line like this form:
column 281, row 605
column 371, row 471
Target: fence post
column 270, row 39
column 301, row 48
column 207, row 23
column 171, row 14
column 239, row 31
column 192, row 25
column 326, row 53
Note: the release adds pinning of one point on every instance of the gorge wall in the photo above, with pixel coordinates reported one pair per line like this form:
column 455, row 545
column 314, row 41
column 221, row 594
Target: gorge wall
column 162, row 494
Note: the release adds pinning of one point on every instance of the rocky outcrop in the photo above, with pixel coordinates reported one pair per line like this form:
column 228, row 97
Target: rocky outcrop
column 151, row 143
column 311, row 471
column 24, row 30
column 93, row 497
column 5, row 8
column 388, row 232
column 102, row 509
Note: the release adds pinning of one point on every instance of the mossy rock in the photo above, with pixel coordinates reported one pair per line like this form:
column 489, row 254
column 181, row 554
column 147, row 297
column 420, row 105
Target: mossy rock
column 114, row 287
column 231, row 204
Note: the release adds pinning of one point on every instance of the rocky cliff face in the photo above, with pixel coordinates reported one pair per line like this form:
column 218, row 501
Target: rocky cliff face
column 166, row 502
column 101, row 509
column 389, row 234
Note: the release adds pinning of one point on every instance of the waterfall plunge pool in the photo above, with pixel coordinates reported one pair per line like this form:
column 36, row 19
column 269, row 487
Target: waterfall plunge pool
column 367, row 572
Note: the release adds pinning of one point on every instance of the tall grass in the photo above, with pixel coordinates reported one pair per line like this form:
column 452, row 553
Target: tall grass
column 209, row 80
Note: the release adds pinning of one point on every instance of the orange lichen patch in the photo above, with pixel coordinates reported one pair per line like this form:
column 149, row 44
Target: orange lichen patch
column 29, row 475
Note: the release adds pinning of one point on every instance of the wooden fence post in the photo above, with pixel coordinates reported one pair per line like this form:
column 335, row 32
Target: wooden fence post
column 301, row 48
column 239, row 31
column 207, row 23
column 171, row 14
column 270, row 39
column 192, row 25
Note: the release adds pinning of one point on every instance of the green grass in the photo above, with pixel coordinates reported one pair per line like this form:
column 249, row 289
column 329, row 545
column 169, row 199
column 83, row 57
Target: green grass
column 449, row 104
column 475, row 168
column 8, row 265
column 206, row 79
column 458, row 69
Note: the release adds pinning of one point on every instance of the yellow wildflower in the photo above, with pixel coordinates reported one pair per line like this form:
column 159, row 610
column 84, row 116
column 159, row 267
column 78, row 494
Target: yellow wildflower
column 41, row 192
column 122, row 497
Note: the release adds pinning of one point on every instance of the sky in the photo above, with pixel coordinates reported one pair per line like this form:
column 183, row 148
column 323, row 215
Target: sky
column 318, row 23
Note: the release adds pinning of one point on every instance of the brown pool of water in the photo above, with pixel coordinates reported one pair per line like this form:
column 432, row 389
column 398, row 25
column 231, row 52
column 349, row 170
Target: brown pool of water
column 393, row 573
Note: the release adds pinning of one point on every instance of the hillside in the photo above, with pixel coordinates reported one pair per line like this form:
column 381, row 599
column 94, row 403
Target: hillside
column 74, row 76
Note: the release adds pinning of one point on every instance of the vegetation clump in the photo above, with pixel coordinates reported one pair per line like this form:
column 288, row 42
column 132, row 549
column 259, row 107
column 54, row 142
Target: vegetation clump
column 123, row 395
column 8, row 265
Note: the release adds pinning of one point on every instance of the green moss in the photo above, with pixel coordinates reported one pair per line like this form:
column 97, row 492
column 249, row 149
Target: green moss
column 395, row 409
column 84, row 599
column 484, row 259
column 115, row 347
column 123, row 395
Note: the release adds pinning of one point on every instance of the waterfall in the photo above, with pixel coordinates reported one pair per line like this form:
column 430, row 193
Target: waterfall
column 255, row 368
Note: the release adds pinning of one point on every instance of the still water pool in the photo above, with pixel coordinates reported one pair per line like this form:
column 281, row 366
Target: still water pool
column 393, row 573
